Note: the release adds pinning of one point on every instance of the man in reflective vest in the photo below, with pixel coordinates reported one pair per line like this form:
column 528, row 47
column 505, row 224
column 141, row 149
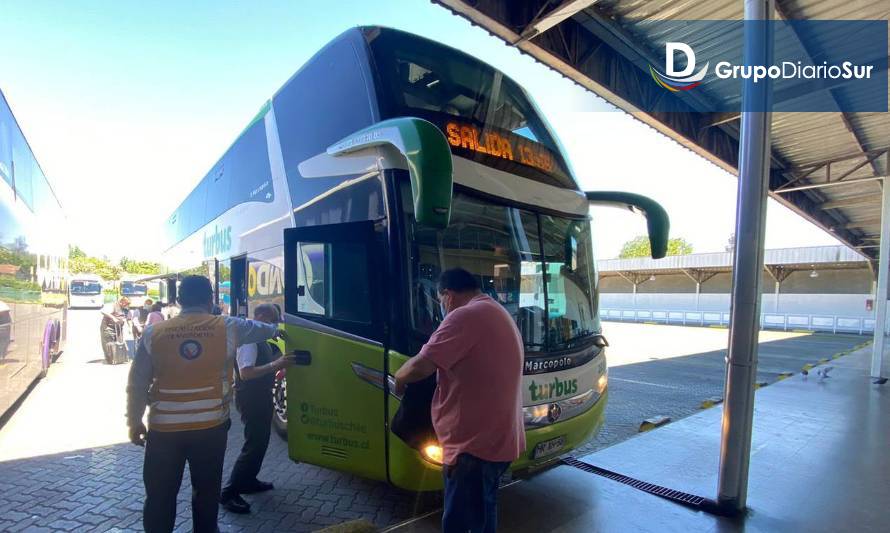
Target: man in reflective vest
column 183, row 373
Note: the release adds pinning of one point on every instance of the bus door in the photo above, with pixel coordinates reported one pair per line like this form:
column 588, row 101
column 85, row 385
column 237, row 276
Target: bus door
column 334, row 310
column 167, row 288
column 237, row 286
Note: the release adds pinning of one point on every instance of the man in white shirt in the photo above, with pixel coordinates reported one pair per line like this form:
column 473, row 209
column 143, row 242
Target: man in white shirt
column 255, row 376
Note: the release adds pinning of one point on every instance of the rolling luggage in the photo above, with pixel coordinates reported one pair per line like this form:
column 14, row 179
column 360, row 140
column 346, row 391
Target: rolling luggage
column 116, row 350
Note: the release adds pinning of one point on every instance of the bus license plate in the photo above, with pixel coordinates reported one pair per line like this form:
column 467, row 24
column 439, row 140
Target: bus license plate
column 548, row 447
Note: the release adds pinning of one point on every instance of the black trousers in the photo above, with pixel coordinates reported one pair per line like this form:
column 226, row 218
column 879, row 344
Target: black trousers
column 255, row 406
column 166, row 454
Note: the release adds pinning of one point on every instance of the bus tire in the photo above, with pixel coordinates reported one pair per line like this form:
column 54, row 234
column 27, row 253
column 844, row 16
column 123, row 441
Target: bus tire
column 279, row 406
column 55, row 350
column 46, row 348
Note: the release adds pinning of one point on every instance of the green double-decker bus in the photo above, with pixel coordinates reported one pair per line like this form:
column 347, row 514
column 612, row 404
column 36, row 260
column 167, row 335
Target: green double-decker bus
column 386, row 159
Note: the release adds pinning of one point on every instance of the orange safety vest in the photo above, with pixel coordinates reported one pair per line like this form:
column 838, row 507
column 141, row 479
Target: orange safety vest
column 192, row 373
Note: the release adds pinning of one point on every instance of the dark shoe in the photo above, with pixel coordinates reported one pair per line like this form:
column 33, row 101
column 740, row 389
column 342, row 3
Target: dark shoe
column 258, row 486
column 234, row 504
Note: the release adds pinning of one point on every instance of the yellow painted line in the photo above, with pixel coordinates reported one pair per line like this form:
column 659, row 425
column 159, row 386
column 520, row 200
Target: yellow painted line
column 654, row 422
column 823, row 360
column 711, row 402
column 807, row 367
column 801, row 331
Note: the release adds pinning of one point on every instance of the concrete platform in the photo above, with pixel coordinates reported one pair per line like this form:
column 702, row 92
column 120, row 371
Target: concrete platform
column 820, row 462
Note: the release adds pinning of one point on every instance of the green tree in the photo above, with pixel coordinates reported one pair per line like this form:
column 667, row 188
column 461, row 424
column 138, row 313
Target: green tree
column 74, row 252
column 94, row 265
column 639, row 247
column 139, row 267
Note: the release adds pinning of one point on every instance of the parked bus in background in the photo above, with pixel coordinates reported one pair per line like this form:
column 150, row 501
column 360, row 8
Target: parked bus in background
column 85, row 292
column 135, row 291
column 385, row 160
column 33, row 265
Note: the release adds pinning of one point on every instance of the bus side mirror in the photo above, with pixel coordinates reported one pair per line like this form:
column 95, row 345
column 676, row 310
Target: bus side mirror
column 428, row 155
column 657, row 221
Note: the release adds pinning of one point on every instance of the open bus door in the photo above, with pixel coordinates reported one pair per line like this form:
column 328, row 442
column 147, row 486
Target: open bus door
column 334, row 310
column 239, row 286
column 167, row 290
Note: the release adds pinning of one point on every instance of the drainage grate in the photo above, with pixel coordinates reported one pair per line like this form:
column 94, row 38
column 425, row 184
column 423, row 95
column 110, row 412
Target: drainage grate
column 676, row 496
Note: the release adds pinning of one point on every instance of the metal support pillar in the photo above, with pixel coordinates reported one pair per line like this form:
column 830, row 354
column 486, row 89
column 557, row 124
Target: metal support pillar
column 741, row 360
column 697, row 295
column 877, row 354
column 779, row 274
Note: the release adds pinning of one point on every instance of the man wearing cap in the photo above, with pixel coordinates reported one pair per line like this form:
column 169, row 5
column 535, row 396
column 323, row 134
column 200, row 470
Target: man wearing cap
column 255, row 372
column 183, row 371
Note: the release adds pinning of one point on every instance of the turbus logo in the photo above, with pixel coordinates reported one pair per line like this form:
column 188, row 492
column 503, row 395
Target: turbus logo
column 218, row 242
column 553, row 389
column 682, row 80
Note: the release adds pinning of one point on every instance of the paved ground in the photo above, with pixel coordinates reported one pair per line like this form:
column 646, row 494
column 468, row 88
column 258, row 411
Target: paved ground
column 65, row 465
column 669, row 370
column 819, row 464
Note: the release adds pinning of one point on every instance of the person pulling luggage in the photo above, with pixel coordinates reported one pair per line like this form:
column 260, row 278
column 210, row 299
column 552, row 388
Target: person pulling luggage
column 111, row 327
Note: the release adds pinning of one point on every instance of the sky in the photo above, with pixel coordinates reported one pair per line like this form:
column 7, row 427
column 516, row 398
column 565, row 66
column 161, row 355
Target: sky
column 128, row 104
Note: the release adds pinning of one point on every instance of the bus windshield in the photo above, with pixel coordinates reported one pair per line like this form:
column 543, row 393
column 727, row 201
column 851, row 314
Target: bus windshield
column 85, row 287
column 485, row 115
column 539, row 267
column 128, row 288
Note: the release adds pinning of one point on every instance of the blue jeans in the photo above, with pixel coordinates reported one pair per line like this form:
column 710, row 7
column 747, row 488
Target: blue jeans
column 471, row 495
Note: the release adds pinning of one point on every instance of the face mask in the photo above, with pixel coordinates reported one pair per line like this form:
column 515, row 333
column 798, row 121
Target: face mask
column 442, row 309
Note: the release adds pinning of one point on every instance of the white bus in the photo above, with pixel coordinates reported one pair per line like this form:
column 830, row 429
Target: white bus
column 135, row 291
column 33, row 266
column 85, row 291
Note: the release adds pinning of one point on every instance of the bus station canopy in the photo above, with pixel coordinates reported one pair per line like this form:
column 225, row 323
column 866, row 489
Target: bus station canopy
column 811, row 258
column 826, row 166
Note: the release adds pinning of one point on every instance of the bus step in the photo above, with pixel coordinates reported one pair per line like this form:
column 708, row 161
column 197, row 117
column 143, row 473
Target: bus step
column 689, row 500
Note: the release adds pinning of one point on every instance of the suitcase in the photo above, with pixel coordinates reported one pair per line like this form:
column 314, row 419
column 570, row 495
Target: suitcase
column 118, row 352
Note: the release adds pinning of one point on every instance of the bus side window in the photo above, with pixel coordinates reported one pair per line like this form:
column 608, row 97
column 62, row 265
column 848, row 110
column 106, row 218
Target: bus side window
column 332, row 281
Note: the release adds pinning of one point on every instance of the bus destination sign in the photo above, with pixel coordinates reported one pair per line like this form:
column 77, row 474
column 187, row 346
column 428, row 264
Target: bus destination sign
column 512, row 147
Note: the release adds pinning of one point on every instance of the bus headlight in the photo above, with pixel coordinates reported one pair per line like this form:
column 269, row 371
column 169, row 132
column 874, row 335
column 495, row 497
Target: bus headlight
column 601, row 383
column 432, row 452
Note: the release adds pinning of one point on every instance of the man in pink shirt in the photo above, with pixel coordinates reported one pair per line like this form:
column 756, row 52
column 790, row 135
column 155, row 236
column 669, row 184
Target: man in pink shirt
column 477, row 352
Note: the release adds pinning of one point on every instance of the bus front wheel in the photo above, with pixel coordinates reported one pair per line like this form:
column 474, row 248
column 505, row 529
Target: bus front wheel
column 279, row 403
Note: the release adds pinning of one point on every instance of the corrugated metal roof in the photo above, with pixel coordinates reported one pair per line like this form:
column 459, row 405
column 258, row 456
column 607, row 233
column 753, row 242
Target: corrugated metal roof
column 815, row 257
column 604, row 47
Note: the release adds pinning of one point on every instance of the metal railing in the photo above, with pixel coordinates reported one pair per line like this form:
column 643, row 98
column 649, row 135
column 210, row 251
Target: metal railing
column 784, row 322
